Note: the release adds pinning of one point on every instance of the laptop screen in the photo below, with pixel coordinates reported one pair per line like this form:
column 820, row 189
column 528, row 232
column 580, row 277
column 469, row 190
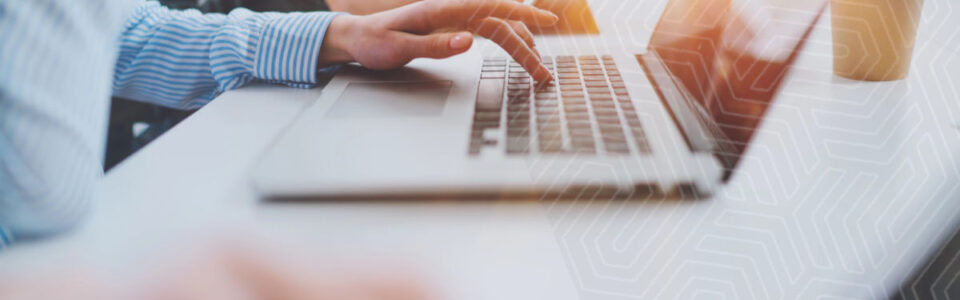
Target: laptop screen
column 730, row 57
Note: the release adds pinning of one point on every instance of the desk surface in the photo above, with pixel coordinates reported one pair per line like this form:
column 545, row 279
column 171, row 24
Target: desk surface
column 848, row 187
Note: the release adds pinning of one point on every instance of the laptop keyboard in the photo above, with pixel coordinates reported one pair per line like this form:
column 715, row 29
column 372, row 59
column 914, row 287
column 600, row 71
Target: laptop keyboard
column 586, row 110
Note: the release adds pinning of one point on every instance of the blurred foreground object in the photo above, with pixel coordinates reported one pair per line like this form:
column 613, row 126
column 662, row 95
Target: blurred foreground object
column 575, row 17
column 873, row 39
column 222, row 273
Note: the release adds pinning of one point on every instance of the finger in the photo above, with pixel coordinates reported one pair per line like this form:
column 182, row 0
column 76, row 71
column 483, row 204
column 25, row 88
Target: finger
column 507, row 10
column 438, row 45
column 428, row 16
column 524, row 33
column 500, row 32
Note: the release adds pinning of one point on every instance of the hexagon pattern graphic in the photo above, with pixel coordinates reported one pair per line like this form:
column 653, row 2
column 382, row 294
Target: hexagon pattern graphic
column 838, row 194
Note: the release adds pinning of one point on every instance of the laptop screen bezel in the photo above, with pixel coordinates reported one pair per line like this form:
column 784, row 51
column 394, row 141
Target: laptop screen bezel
column 700, row 130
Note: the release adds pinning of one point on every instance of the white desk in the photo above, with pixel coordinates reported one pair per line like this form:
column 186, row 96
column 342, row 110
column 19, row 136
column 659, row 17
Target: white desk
column 848, row 186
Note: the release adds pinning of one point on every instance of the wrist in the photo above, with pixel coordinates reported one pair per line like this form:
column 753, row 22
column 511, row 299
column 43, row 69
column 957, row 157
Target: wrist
column 338, row 41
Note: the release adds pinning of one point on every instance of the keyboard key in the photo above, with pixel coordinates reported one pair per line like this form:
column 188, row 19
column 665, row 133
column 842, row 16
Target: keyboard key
column 548, row 110
column 490, row 95
column 607, row 119
column 519, row 94
column 518, row 127
column 575, row 101
column 517, row 106
column 487, row 116
column 602, row 104
column 546, row 96
column 518, row 145
column 584, row 148
column 551, row 147
column 551, row 134
column 574, row 108
column 596, row 84
column 595, row 90
column 592, row 72
column 524, row 129
column 582, row 139
column 545, row 87
column 591, row 67
column 552, row 124
column 583, row 116
column 614, row 136
column 514, row 106
column 610, row 128
column 572, row 94
column 579, row 127
column 547, row 105
column 620, row 148
column 595, row 78
column 498, row 75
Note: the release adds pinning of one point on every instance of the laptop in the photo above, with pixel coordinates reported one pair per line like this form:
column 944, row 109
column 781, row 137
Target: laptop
column 673, row 120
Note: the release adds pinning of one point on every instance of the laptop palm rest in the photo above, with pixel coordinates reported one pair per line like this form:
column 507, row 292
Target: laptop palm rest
column 391, row 99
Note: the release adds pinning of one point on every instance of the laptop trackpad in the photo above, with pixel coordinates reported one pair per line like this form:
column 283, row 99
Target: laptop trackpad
column 391, row 99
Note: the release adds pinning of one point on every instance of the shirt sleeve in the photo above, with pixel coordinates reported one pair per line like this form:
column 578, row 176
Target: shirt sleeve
column 5, row 238
column 184, row 59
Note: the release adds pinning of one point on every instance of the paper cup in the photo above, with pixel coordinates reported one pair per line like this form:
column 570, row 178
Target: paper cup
column 873, row 39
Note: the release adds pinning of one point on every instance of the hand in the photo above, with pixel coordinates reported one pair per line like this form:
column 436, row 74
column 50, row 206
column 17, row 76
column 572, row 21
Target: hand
column 436, row 29
column 366, row 7
column 239, row 273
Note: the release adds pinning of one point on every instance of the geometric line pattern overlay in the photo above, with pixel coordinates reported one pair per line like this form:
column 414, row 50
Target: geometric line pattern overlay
column 847, row 188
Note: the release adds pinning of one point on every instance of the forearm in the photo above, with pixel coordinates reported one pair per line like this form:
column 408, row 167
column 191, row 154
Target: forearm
column 337, row 47
column 183, row 59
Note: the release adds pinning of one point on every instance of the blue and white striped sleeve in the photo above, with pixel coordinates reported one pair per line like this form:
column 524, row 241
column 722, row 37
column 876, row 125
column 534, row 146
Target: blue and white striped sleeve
column 184, row 59
column 5, row 238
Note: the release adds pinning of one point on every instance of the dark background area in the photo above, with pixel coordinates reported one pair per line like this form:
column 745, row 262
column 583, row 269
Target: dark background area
column 939, row 278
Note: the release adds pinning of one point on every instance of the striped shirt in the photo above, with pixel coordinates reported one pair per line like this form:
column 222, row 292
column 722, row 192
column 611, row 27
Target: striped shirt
column 61, row 60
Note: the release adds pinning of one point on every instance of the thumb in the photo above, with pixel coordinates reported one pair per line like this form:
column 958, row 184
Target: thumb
column 438, row 45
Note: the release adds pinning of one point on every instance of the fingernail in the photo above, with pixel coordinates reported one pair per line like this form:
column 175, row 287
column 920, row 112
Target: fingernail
column 548, row 76
column 554, row 18
column 460, row 41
